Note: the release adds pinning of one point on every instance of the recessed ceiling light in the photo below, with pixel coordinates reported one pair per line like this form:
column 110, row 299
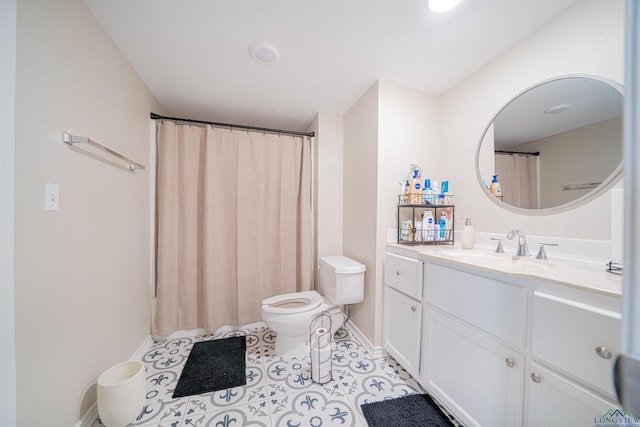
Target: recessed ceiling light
column 264, row 53
column 558, row 109
column 441, row 6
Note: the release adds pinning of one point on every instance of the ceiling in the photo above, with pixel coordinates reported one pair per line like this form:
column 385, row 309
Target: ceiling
column 193, row 55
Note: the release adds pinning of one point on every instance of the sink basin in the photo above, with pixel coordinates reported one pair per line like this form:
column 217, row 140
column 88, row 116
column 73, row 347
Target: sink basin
column 503, row 262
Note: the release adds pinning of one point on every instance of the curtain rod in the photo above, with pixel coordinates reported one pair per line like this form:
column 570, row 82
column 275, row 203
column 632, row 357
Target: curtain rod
column 522, row 153
column 155, row 116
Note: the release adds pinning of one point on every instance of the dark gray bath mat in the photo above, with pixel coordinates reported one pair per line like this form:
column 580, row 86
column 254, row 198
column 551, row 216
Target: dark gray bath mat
column 213, row 365
column 415, row 410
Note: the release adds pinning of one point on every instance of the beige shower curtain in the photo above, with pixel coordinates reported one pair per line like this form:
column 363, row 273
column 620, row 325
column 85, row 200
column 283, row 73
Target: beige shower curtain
column 233, row 224
column 518, row 179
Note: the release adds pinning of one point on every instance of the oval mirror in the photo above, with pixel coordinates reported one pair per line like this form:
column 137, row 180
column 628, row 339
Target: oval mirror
column 554, row 145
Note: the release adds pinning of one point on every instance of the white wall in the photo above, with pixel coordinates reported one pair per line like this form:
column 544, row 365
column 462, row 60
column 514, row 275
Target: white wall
column 360, row 200
column 7, row 151
column 329, row 163
column 384, row 132
column 586, row 39
column 81, row 274
column 407, row 133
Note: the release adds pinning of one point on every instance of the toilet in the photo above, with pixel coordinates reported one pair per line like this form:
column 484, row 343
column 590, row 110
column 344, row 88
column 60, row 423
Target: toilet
column 290, row 315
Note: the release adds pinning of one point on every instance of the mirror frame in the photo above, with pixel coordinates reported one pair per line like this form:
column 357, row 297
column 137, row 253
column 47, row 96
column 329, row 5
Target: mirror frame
column 607, row 184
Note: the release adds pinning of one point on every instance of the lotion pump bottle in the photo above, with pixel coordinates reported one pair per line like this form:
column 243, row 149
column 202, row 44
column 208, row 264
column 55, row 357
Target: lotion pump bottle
column 428, row 224
column 495, row 186
column 467, row 239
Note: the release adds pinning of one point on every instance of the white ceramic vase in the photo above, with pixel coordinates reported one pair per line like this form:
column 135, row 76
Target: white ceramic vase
column 122, row 391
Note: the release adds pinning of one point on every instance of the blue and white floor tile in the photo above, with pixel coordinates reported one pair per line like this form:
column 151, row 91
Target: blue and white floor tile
column 279, row 390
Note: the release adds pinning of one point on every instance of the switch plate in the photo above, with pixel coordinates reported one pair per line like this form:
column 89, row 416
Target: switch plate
column 51, row 197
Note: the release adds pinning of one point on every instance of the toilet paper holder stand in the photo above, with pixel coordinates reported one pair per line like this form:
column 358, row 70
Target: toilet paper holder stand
column 320, row 338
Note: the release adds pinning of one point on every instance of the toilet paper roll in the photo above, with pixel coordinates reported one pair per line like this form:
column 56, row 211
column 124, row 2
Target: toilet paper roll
column 321, row 365
column 321, row 356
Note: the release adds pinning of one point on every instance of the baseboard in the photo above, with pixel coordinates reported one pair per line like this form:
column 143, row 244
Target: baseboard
column 376, row 352
column 91, row 415
column 142, row 350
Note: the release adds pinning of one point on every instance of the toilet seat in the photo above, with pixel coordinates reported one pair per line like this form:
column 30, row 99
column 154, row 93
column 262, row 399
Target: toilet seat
column 296, row 302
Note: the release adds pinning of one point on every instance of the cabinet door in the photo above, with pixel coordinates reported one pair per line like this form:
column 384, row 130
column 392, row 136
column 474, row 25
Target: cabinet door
column 478, row 379
column 402, row 328
column 556, row 401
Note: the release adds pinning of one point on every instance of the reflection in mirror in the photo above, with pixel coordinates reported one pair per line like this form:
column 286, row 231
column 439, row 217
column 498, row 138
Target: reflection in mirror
column 554, row 144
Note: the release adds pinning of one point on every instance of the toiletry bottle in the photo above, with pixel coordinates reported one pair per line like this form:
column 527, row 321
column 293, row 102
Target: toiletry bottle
column 427, row 192
column 419, row 234
column 495, row 186
column 403, row 184
column 444, row 225
column 427, row 226
column 425, row 195
column 405, row 194
column 467, row 239
column 406, row 229
column 436, row 188
column 416, row 191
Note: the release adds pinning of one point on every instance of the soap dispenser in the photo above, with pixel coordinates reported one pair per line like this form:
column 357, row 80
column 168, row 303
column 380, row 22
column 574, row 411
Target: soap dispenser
column 467, row 239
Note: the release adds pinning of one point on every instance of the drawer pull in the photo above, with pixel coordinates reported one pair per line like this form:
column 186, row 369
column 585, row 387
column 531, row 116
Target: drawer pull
column 397, row 272
column 510, row 362
column 413, row 308
column 536, row 377
column 603, row 352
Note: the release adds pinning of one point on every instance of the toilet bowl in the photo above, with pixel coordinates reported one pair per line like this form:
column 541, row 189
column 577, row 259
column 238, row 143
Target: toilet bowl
column 290, row 315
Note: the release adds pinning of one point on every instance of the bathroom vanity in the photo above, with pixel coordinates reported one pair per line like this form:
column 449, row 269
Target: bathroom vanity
column 502, row 340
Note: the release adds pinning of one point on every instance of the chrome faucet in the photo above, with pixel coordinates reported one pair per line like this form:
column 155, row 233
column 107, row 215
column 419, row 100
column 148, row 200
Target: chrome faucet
column 522, row 242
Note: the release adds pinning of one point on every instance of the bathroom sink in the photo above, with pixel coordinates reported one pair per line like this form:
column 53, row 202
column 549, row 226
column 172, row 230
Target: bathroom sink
column 503, row 262
column 576, row 272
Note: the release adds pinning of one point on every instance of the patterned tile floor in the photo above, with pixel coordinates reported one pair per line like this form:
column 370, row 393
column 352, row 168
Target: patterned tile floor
column 279, row 390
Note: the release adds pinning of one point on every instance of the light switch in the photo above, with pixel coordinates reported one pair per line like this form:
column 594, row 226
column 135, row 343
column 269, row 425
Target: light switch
column 51, row 197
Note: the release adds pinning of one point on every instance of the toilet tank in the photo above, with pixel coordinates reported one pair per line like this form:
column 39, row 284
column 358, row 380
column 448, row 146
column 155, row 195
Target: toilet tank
column 341, row 280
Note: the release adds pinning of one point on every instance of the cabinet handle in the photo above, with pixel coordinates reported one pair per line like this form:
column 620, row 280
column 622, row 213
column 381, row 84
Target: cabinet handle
column 510, row 362
column 413, row 308
column 603, row 352
column 397, row 272
column 536, row 377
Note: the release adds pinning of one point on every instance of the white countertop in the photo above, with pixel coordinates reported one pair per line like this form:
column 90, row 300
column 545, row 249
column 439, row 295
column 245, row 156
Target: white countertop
column 574, row 273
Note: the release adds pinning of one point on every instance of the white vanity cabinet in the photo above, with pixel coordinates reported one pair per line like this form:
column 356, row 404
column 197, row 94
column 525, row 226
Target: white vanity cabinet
column 403, row 310
column 478, row 379
column 472, row 345
column 574, row 346
column 502, row 350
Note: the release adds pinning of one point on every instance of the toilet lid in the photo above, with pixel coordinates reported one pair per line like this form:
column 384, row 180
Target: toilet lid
column 296, row 302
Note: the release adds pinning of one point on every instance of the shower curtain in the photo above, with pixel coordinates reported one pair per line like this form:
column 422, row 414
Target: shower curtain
column 518, row 179
column 233, row 224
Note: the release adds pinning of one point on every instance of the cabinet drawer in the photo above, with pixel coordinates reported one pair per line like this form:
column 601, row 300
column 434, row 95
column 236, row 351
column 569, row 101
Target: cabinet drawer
column 493, row 306
column 579, row 339
column 404, row 274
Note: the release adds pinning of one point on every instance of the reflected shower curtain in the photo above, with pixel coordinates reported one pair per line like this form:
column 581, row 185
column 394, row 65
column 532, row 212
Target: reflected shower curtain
column 518, row 179
column 233, row 224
